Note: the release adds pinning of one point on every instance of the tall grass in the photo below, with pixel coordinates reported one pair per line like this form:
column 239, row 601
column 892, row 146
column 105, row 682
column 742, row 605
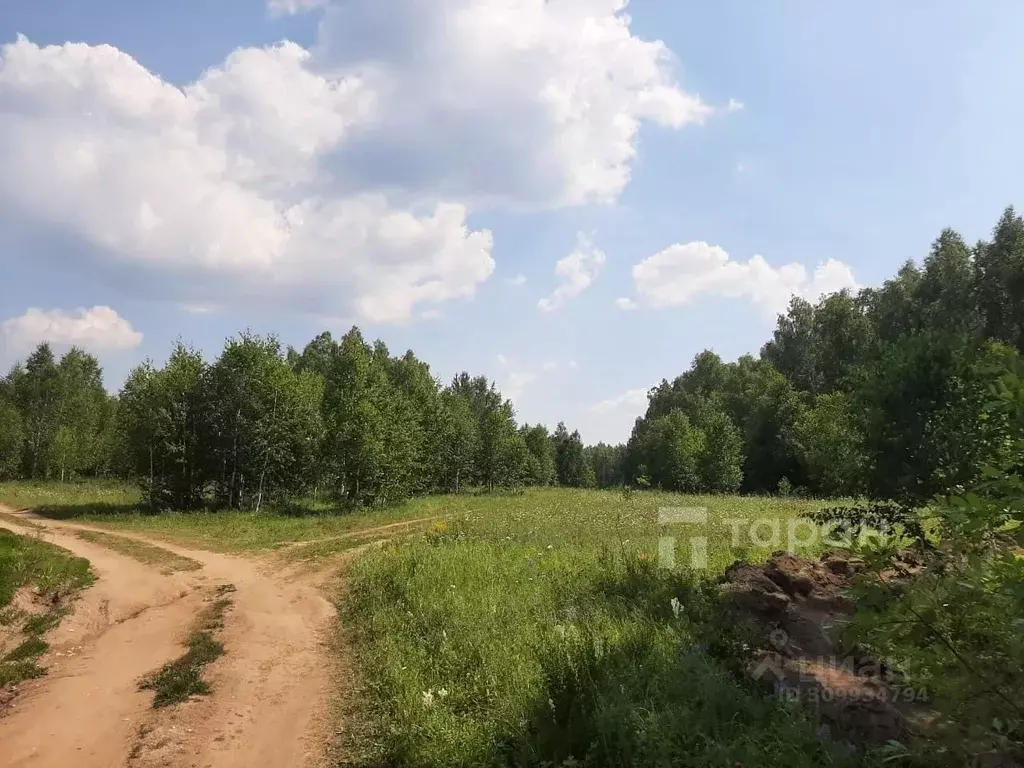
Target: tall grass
column 538, row 630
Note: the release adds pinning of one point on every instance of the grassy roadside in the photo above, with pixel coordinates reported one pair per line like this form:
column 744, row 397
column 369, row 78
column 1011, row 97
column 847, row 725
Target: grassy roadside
column 179, row 680
column 115, row 507
column 144, row 553
column 19, row 521
column 56, row 576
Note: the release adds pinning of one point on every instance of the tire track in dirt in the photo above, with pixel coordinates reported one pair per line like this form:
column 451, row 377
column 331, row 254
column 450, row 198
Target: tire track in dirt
column 270, row 691
column 85, row 712
column 360, row 533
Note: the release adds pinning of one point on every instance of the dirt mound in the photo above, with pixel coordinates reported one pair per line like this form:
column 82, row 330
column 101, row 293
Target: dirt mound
column 794, row 607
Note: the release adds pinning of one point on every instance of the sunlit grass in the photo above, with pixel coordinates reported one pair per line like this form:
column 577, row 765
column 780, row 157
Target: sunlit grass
column 540, row 630
column 116, row 507
column 738, row 527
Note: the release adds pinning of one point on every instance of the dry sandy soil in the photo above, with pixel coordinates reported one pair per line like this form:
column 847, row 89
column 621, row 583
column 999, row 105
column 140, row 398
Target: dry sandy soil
column 269, row 704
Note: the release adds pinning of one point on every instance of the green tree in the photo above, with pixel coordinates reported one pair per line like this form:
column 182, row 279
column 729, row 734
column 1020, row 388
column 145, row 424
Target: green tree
column 164, row 438
column 503, row 456
column 541, row 461
column 672, row 449
column 455, row 443
column 11, row 439
column 791, row 349
column 82, row 406
column 946, row 292
column 262, row 425
column 421, row 393
column 720, row 464
column 828, row 439
column 36, row 389
column 572, row 468
column 999, row 281
column 369, row 425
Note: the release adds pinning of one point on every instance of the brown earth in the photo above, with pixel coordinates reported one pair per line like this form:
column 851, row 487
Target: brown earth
column 794, row 607
column 269, row 704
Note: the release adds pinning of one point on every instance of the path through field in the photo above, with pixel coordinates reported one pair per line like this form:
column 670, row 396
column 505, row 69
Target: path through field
column 269, row 702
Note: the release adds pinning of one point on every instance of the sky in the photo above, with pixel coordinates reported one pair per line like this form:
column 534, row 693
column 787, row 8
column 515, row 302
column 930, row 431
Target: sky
column 573, row 197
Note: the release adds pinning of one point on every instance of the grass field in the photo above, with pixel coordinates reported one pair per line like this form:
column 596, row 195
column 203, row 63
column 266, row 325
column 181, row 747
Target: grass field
column 532, row 629
column 737, row 527
column 540, row 630
column 56, row 575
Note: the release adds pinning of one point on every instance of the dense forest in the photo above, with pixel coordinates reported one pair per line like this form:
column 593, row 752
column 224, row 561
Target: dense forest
column 342, row 419
column 880, row 394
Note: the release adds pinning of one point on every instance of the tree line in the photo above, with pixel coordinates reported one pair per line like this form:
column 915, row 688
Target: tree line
column 342, row 419
column 880, row 393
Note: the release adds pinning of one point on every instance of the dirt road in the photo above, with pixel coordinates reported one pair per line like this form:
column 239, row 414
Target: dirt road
column 269, row 700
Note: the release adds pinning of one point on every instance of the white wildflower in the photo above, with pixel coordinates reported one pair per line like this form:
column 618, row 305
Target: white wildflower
column 677, row 607
column 428, row 698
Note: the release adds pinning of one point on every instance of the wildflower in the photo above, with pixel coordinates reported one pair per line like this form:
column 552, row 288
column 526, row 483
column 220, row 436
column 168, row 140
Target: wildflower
column 442, row 693
column 677, row 607
column 428, row 698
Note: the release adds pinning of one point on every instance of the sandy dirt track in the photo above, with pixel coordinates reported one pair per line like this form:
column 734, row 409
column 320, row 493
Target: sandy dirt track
column 269, row 704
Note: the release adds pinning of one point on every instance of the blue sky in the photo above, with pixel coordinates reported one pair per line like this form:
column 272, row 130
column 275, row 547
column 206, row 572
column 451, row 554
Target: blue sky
column 421, row 169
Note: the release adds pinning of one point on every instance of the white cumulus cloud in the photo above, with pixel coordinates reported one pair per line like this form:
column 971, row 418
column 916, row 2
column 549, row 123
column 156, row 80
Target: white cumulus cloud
column 575, row 274
column 219, row 186
column 519, row 101
column 336, row 180
column 98, row 329
column 681, row 273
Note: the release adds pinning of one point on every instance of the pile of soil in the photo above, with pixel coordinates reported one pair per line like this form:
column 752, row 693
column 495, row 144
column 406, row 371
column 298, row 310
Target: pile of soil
column 794, row 607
